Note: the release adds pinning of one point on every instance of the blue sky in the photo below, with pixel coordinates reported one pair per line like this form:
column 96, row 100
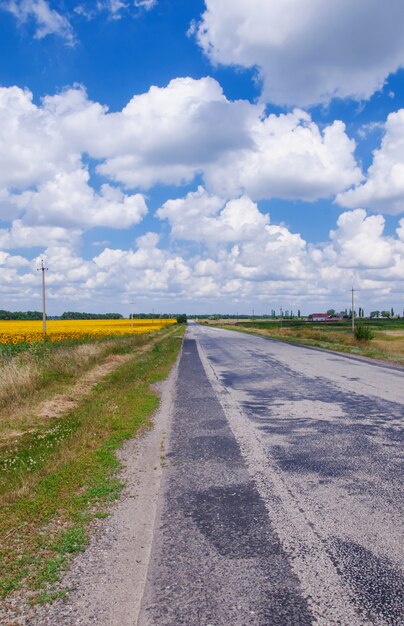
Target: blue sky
column 202, row 156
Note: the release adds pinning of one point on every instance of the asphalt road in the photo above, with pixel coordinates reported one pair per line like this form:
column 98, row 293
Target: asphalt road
column 282, row 496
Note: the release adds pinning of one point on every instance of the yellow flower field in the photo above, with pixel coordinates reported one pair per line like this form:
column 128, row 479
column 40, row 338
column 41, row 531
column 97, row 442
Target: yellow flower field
column 15, row 332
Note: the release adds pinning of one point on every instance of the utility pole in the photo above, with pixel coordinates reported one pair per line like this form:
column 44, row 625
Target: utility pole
column 353, row 310
column 43, row 269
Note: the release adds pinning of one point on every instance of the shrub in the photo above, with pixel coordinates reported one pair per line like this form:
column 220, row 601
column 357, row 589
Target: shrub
column 363, row 333
column 181, row 319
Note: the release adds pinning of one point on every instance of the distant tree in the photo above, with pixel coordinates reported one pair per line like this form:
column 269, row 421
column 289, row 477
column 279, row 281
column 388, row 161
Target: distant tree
column 331, row 312
column 385, row 313
column 392, row 312
column 298, row 313
column 363, row 332
column 375, row 314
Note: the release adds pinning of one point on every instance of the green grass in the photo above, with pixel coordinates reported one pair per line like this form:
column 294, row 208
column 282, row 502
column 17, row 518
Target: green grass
column 47, row 503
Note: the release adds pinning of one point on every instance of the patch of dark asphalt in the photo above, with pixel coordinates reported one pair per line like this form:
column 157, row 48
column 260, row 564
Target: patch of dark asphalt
column 378, row 583
column 304, row 462
column 216, row 557
column 230, row 518
column 330, row 447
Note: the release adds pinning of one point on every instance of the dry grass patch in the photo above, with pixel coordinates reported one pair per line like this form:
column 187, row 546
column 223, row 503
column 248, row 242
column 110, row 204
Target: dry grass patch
column 43, row 383
column 391, row 342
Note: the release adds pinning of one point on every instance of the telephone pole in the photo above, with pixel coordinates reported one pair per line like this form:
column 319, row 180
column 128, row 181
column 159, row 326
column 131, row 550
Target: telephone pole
column 43, row 269
column 353, row 310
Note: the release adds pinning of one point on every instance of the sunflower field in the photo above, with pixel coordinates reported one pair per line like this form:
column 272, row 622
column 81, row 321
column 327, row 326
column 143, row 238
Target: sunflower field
column 27, row 332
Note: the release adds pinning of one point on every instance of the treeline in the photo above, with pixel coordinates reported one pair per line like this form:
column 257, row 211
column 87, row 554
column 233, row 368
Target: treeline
column 74, row 315
column 150, row 316
column 20, row 315
column 68, row 315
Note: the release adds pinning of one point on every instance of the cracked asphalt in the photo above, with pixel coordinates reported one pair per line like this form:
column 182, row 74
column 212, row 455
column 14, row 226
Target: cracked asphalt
column 282, row 496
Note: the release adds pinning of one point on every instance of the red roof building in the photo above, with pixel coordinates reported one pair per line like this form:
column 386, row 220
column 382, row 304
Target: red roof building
column 319, row 317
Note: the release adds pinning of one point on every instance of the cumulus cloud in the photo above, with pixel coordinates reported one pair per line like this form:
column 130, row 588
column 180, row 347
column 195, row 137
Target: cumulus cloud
column 201, row 216
column 276, row 267
column 43, row 182
column 10, row 260
column 222, row 245
column 170, row 135
column 47, row 20
column 383, row 189
column 263, row 258
column 307, row 51
column 359, row 242
column 291, row 158
column 247, row 245
column 31, row 146
column 68, row 200
column 20, row 235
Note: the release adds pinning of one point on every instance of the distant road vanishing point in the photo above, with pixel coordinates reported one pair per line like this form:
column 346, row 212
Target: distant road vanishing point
column 282, row 494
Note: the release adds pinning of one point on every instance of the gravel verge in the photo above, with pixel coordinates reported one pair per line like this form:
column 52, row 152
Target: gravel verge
column 106, row 582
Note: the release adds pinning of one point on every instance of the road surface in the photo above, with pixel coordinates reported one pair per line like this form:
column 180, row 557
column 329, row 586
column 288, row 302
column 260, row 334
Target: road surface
column 282, row 492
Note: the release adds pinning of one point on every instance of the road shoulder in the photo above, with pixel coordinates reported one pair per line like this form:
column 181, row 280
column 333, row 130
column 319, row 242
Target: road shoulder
column 107, row 580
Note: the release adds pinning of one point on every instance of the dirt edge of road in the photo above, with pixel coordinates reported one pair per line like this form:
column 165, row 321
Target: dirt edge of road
column 106, row 582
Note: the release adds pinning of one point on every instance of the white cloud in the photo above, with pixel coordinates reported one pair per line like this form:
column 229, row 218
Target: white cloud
column 275, row 268
column 170, row 134
column 9, row 260
column 31, row 146
column 42, row 179
column 145, row 4
column 47, row 20
column 291, row 158
column 307, row 51
column 246, row 245
column 68, row 200
column 383, row 189
column 222, row 245
column 359, row 242
column 20, row 235
column 115, row 8
column 201, row 216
